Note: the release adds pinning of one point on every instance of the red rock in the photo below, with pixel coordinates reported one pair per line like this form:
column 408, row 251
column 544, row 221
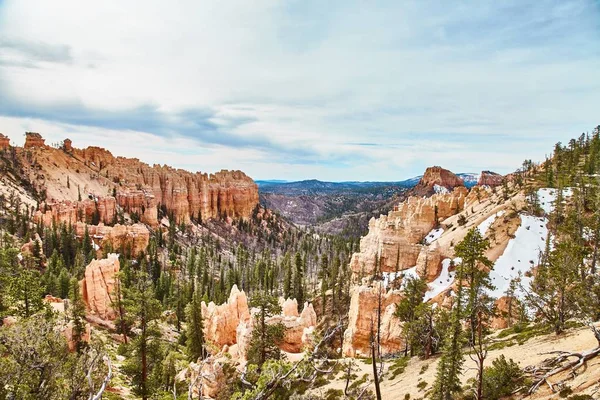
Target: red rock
column 123, row 238
column 435, row 178
column 98, row 285
column 429, row 262
column 500, row 321
column 67, row 332
column 67, row 145
column 70, row 212
column 489, row 178
column 362, row 321
column 4, row 142
column 394, row 239
column 34, row 140
column 221, row 322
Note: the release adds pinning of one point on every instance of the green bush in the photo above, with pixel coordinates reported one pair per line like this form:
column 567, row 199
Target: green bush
column 501, row 379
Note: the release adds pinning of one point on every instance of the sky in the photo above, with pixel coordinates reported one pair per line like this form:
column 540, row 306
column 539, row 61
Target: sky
column 331, row 90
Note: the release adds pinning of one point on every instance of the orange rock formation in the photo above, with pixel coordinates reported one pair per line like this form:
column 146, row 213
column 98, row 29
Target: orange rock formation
column 98, row 285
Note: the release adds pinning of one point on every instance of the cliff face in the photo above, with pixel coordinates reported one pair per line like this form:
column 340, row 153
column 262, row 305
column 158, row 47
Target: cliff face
column 435, row 180
column 393, row 241
column 362, row 321
column 184, row 194
column 98, row 285
column 489, row 178
column 136, row 187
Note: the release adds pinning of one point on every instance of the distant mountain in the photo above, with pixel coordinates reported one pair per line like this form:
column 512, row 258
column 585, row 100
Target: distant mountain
column 469, row 178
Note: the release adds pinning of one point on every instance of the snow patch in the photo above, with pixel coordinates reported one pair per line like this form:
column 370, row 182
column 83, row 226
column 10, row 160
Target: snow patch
column 485, row 225
column 389, row 277
column 520, row 255
column 547, row 198
column 433, row 235
column 443, row 281
column 440, row 189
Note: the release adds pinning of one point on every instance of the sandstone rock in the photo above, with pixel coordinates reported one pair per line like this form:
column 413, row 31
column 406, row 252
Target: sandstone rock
column 8, row 321
column 184, row 194
column 295, row 328
column 34, row 140
column 362, row 320
column 221, row 322
column 4, row 142
column 124, row 238
column 28, row 247
column 67, row 332
column 500, row 321
column 393, row 239
column 140, row 188
column 489, row 178
column 98, row 285
column 70, row 212
column 436, row 179
column 289, row 308
column 140, row 202
column 429, row 262
column 67, row 145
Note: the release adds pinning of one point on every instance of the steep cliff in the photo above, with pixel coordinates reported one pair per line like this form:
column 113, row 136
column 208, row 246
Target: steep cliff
column 436, row 180
column 68, row 174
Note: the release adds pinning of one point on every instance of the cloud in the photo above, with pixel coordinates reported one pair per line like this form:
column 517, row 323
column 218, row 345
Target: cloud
column 337, row 90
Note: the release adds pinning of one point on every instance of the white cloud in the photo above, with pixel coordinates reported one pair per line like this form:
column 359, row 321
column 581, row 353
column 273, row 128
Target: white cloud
column 427, row 82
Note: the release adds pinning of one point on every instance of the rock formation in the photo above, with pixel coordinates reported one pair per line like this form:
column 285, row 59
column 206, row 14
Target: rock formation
column 221, row 322
column 68, row 145
column 393, row 239
column 98, row 285
column 34, row 140
column 435, row 180
column 229, row 326
column 503, row 311
column 489, row 178
column 127, row 239
column 363, row 318
column 429, row 262
column 4, row 142
column 67, row 331
column 138, row 187
column 102, row 209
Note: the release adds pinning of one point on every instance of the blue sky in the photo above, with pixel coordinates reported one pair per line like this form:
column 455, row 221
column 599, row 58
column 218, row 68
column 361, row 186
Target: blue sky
column 336, row 90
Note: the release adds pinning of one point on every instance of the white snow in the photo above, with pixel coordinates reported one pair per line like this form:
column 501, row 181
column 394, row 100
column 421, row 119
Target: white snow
column 485, row 225
column 442, row 282
column 547, row 198
column 433, row 235
column 391, row 276
column 520, row 255
column 440, row 189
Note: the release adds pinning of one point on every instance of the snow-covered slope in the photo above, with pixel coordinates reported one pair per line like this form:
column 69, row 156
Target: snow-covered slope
column 442, row 282
column 485, row 225
column 521, row 254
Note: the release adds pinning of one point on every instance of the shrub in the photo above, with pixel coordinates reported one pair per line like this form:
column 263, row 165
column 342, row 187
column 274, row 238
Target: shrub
column 502, row 378
column 462, row 220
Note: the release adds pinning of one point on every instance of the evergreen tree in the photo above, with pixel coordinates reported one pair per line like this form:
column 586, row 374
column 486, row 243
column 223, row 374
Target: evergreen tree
column 194, row 331
column 265, row 337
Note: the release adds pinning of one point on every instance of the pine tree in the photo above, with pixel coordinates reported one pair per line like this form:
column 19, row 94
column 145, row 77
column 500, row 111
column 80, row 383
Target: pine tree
column 447, row 379
column 414, row 291
column 194, row 329
column 77, row 314
column 265, row 337
column 299, row 280
column 474, row 269
column 142, row 304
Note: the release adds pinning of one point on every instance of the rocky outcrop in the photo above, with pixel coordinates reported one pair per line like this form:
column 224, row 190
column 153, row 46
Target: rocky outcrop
column 363, row 319
column 4, row 142
column 127, row 239
column 435, row 180
column 34, row 140
column 429, row 262
column 489, row 178
column 68, row 145
column 393, row 241
column 94, row 210
column 506, row 311
column 67, row 331
column 185, row 195
column 221, row 322
column 229, row 326
column 140, row 202
column 98, row 286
